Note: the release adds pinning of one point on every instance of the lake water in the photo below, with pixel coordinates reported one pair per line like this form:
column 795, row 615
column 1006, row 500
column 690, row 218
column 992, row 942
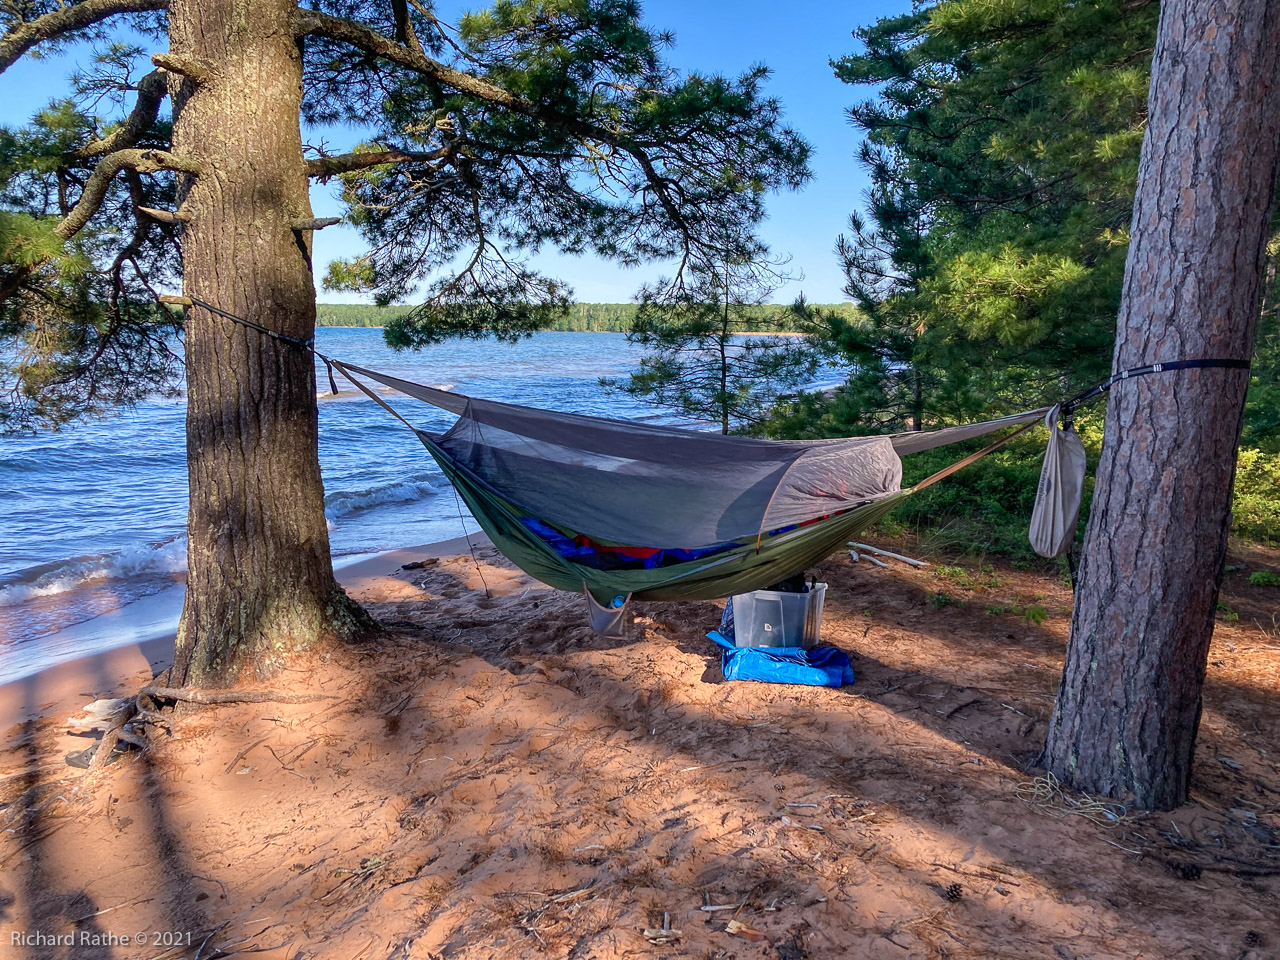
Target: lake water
column 92, row 551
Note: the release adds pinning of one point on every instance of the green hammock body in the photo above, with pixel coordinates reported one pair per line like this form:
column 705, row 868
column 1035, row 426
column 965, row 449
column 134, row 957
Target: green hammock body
column 745, row 567
column 754, row 512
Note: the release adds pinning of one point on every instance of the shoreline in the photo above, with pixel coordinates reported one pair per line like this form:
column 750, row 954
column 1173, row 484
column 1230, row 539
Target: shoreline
column 63, row 688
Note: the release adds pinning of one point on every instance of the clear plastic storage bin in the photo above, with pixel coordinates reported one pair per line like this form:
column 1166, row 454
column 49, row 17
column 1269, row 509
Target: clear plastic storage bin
column 767, row 618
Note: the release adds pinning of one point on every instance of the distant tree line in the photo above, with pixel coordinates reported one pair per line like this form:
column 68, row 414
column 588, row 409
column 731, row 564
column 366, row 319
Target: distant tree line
column 583, row 317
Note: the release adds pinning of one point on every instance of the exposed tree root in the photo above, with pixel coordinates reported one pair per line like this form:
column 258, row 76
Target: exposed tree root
column 213, row 697
column 115, row 733
column 140, row 709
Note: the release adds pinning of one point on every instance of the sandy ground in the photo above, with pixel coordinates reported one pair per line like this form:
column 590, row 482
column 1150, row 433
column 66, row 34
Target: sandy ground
column 490, row 779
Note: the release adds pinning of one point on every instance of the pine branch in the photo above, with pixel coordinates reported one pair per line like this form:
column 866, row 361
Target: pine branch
column 195, row 70
column 151, row 90
column 325, row 167
column 21, row 37
column 95, row 188
column 362, row 37
column 404, row 27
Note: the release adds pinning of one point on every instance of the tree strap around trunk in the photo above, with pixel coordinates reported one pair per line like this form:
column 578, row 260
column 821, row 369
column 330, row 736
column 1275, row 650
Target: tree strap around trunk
column 1066, row 408
column 308, row 345
column 294, row 341
column 1069, row 406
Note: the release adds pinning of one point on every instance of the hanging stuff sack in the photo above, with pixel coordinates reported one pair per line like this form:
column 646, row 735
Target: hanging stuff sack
column 1057, row 510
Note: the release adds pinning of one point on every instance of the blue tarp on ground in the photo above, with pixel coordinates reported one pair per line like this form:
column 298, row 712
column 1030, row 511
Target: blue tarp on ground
column 820, row 667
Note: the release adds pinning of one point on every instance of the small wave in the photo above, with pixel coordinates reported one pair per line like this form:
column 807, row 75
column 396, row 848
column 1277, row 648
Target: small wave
column 340, row 503
column 157, row 559
column 170, row 557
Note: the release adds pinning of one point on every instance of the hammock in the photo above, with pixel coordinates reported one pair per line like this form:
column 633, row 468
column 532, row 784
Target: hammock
column 621, row 509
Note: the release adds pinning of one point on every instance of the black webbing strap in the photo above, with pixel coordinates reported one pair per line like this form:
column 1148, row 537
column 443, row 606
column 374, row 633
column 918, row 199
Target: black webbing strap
column 328, row 368
column 1070, row 405
column 308, row 345
column 294, row 341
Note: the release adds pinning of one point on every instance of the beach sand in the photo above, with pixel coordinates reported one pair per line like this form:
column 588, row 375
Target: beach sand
column 66, row 687
column 490, row 779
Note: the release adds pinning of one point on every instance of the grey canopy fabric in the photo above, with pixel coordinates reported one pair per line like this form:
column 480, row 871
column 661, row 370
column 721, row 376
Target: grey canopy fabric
column 641, row 484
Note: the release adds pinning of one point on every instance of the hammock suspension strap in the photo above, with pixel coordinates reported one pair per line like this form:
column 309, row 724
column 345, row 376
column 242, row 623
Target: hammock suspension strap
column 308, row 345
column 961, row 464
column 1069, row 406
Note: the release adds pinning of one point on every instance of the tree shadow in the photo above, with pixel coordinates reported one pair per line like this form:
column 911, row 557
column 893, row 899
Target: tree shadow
column 52, row 906
column 809, row 744
column 485, row 705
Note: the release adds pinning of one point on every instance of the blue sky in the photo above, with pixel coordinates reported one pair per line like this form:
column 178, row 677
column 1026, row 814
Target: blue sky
column 794, row 40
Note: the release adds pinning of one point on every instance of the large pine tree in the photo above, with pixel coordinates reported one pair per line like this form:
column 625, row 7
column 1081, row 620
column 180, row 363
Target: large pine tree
column 1129, row 706
column 1003, row 238
column 534, row 122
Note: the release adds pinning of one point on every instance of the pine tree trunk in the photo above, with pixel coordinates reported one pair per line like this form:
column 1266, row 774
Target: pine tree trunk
column 1129, row 704
column 260, row 583
column 917, row 401
column 724, row 359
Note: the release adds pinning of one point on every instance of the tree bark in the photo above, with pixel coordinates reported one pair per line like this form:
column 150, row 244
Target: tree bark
column 260, row 581
column 1129, row 705
column 723, row 343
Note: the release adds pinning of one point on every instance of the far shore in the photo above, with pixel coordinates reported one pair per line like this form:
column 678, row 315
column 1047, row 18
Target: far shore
column 740, row 333
column 62, row 689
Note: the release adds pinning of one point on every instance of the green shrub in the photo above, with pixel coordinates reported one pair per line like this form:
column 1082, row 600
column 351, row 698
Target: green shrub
column 1264, row 578
column 1255, row 512
column 1032, row 613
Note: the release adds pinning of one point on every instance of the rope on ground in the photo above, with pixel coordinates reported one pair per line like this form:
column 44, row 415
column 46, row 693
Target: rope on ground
column 1047, row 794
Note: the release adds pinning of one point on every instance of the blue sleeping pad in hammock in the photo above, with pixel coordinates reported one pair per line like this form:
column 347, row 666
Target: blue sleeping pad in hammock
column 820, row 667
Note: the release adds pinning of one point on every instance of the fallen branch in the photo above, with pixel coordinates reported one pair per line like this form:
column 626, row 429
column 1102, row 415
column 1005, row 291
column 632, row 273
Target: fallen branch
column 885, row 553
column 241, row 755
column 954, row 710
column 115, row 733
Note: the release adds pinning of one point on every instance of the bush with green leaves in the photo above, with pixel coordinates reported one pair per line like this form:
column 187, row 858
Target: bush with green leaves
column 1255, row 511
